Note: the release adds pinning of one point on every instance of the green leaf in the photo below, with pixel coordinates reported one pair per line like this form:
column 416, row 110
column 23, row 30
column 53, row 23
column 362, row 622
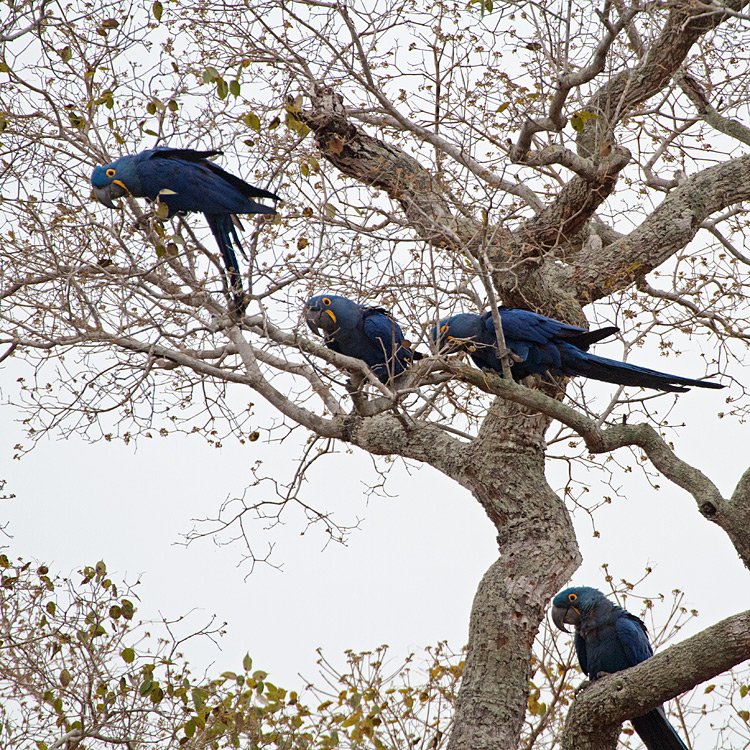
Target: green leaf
column 252, row 121
column 145, row 687
column 77, row 122
column 210, row 75
column 579, row 119
column 743, row 690
column 41, row 745
column 190, row 727
column 127, row 609
column 199, row 698
column 305, row 169
column 151, row 108
column 107, row 98
column 51, row 607
column 65, row 678
column 172, row 105
column 234, row 88
column 222, row 89
column 330, row 210
column 157, row 9
column 128, row 655
column 65, row 53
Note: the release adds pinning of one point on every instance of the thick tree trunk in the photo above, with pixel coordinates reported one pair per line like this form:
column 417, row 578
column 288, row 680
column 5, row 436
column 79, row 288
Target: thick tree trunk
column 538, row 552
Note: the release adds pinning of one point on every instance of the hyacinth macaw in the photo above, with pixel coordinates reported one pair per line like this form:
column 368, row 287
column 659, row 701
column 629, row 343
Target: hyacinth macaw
column 185, row 180
column 367, row 333
column 546, row 345
column 609, row 639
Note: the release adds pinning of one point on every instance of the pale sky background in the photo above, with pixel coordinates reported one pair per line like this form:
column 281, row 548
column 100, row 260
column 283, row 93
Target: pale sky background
column 406, row 578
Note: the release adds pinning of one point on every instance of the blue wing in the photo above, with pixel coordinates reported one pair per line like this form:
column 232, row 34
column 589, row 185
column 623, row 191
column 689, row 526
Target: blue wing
column 634, row 638
column 386, row 337
column 194, row 186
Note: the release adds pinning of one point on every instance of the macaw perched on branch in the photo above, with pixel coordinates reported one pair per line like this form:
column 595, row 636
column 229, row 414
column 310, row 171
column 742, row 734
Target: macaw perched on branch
column 541, row 345
column 609, row 639
column 185, row 180
column 367, row 333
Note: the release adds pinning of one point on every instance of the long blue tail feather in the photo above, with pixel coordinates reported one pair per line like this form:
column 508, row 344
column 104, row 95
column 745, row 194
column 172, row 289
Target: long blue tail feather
column 656, row 732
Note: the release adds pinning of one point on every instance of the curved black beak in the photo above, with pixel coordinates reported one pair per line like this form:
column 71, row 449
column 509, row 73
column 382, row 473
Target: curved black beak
column 317, row 319
column 110, row 193
column 312, row 321
column 563, row 615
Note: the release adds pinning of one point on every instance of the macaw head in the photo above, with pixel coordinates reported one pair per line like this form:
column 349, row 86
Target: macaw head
column 113, row 181
column 457, row 332
column 570, row 605
column 330, row 312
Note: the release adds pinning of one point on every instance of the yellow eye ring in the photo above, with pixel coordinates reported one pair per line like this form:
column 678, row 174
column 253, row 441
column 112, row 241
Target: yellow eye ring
column 326, row 301
column 111, row 173
column 572, row 597
column 443, row 329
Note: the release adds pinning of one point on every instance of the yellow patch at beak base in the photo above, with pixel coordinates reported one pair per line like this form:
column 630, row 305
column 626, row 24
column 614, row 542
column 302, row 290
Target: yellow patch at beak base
column 330, row 312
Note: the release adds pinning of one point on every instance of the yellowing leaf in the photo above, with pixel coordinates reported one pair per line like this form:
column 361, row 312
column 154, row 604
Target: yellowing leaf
column 157, row 9
column 162, row 211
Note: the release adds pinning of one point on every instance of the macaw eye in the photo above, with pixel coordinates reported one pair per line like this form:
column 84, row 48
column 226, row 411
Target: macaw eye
column 326, row 301
column 572, row 597
column 110, row 173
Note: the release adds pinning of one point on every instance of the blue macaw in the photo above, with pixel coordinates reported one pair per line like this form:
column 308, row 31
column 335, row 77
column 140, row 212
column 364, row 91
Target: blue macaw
column 546, row 345
column 367, row 333
column 185, row 180
column 609, row 639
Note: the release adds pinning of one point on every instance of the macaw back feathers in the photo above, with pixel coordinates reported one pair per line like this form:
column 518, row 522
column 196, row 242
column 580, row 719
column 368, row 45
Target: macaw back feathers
column 543, row 345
